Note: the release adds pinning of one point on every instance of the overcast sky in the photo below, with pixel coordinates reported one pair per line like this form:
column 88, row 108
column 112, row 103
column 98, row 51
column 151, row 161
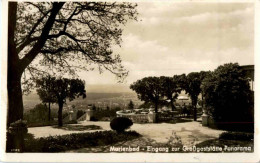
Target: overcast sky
column 176, row 38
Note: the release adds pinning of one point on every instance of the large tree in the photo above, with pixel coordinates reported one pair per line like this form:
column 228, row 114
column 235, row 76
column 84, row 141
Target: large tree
column 193, row 83
column 131, row 105
column 62, row 35
column 227, row 94
column 149, row 89
column 171, row 88
column 62, row 90
column 44, row 87
column 203, row 75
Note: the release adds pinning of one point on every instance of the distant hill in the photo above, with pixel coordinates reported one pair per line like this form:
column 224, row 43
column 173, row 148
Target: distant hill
column 105, row 94
column 108, row 88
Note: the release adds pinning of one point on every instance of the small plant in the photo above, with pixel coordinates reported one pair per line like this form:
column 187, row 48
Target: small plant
column 236, row 136
column 120, row 124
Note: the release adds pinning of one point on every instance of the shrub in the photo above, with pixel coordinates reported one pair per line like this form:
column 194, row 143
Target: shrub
column 71, row 122
column 100, row 114
column 80, row 113
column 120, row 124
column 15, row 136
column 236, row 136
column 40, row 124
column 76, row 141
column 93, row 119
column 228, row 96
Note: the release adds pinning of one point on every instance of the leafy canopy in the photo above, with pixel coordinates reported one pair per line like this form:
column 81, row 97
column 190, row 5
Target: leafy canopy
column 62, row 89
column 227, row 94
column 70, row 36
column 170, row 86
column 148, row 89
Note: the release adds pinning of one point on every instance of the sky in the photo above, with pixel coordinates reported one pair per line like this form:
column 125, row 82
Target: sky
column 176, row 38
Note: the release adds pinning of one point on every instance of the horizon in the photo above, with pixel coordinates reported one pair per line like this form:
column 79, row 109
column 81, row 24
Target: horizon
column 175, row 38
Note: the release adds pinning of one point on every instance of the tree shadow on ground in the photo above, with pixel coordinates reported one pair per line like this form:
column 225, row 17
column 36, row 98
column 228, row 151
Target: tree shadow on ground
column 78, row 127
column 180, row 120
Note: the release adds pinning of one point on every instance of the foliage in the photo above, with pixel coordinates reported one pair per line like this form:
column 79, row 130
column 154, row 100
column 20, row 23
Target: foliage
column 93, row 119
column 80, row 113
column 85, row 29
column 228, row 95
column 231, row 139
column 149, row 89
column 79, row 127
column 41, row 124
column 44, row 90
column 59, row 38
column 131, row 105
column 15, row 135
column 38, row 114
column 19, row 123
column 120, row 124
column 94, row 107
column 76, row 141
column 171, row 88
column 229, row 143
column 101, row 114
column 145, row 105
column 63, row 89
column 236, row 136
column 192, row 86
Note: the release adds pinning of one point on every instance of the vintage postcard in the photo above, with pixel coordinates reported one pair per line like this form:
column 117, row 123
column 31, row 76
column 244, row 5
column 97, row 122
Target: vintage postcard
column 129, row 81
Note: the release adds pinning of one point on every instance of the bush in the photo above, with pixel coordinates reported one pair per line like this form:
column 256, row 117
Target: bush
column 76, row 141
column 120, row 124
column 80, row 113
column 71, row 122
column 41, row 124
column 236, row 136
column 100, row 114
column 15, row 136
column 228, row 96
column 93, row 119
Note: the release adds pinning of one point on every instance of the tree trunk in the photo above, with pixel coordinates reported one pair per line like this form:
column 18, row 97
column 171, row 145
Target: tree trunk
column 60, row 114
column 172, row 105
column 14, row 71
column 194, row 103
column 15, row 98
column 49, row 116
column 202, row 101
column 156, row 111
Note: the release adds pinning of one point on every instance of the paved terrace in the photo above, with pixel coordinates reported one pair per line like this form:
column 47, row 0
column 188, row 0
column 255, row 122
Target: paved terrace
column 189, row 132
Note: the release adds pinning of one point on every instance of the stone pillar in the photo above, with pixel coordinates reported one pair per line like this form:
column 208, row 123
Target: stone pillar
column 151, row 117
column 74, row 115
column 89, row 114
column 70, row 116
column 205, row 119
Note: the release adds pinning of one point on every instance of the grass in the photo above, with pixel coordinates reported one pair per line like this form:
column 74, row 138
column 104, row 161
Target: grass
column 47, row 123
column 78, row 127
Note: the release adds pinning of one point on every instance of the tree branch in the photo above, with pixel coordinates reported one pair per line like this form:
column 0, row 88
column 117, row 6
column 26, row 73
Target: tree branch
column 28, row 58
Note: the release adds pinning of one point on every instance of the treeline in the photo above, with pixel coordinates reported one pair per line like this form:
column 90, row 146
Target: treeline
column 225, row 92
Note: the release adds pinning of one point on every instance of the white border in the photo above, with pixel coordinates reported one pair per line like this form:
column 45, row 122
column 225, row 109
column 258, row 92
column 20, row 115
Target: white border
column 123, row 157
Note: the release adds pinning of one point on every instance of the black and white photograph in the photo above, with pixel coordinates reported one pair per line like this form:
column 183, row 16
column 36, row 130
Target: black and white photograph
column 129, row 78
